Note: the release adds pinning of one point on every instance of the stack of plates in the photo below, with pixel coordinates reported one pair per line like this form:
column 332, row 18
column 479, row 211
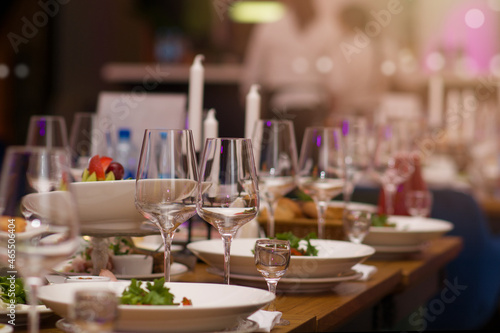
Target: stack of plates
column 334, row 264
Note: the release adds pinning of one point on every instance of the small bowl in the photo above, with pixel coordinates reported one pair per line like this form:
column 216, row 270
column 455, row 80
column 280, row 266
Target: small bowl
column 86, row 278
column 132, row 264
column 106, row 203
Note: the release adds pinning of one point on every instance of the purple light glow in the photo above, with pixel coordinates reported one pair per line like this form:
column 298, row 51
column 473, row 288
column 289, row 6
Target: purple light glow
column 268, row 124
column 42, row 124
column 221, row 150
column 345, row 127
column 318, row 141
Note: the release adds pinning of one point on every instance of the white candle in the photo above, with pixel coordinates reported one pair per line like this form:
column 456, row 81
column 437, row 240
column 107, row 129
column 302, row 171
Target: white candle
column 435, row 100
column 252, row 112
column 469, row 115
column 453, row 115
column 196, row 100
column 210, row 126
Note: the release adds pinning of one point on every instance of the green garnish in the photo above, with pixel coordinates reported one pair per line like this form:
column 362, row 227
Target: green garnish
column 6, row 292
column 310, row 250
column 381, row 220
column 156, row 294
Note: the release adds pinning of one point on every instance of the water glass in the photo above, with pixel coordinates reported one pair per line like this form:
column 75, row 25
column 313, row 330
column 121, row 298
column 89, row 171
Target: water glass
column 418, row 203
column 356, row 223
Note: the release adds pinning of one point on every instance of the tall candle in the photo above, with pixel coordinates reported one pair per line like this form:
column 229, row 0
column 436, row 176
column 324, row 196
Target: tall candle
column 210, row 126
column 196, row 100
column 252, row 112
column 435, row 100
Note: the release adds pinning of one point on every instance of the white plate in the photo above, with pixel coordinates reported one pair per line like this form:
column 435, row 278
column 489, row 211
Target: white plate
column 106, row 203
column 22, row 314
column 215, row 306
column 175, row 269
column 409, row 231
column 154, row 243
column 334, row 257
column 291, row 285
column 354, row 205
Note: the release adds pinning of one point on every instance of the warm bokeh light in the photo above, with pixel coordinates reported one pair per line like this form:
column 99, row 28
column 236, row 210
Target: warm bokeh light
column 300, row 65
column 494, row 5
column 256, row 11
column 324, row 64
column 435, row 61
column 388, row 68
column 4, row 71
column 474, row 18
column 495, row 65
column 22, row 71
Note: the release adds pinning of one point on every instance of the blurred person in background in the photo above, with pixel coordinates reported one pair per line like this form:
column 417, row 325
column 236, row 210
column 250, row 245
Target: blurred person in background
column 287, row 59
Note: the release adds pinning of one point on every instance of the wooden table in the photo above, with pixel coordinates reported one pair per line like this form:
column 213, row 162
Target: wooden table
column 397, row 289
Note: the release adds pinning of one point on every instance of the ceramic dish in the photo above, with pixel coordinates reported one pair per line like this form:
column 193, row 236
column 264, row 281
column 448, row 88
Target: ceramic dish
column 409, row 231
column 334, row 257
column 215, row 306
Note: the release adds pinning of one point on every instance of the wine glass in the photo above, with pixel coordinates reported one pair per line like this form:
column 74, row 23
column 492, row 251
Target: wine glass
column 418, row 203
column 321, row 168
column 276, row 161
column 392, row 163
column 272, row 257
column 354, row 131
column 356, row 223
column 39, row 214
column 228, row 195
column 80, row 141
column 166, row 182
column 47, row 131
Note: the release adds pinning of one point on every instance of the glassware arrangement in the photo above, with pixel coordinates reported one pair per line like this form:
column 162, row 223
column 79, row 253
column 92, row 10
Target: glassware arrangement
column 272, row 258
column 355, row 139
column 47, row 131
column 392, row 163
column 321, row 168
column 166, row 183
column 356, row 223
column 228, row 192
column 39, row 216
column 276, row 161
column 418, row 203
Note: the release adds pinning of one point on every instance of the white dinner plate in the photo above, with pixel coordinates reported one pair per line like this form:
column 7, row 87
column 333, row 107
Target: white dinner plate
column 409, row 231
column 291, row 285
column 215, row 306
column 22, row 314
column 154, row 243
column 334, row 257
column 175, row 270
column 354, row 205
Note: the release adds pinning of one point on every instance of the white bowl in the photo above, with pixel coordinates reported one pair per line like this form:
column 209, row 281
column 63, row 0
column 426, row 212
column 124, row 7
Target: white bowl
column 106, row 202
column 334, row 257
column 409, row 231
column 132, row 264
column 215, row 306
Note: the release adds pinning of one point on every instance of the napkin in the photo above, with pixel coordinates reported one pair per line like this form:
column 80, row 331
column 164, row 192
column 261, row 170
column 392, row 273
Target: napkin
column 265, row 319
column 366, row 270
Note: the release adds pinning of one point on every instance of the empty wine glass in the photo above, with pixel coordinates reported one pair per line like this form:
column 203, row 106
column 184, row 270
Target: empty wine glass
column 80, row 141
column 40, row 215
column 47, row 131
column 354, row 131
column 276, row 160
column 392, row 163
column 272, row 258
column 166, row 182
column 321, row 168
column 356, row 223
column 228, row 194
column 418, row 203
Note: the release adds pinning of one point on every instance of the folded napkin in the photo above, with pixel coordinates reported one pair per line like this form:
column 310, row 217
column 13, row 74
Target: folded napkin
column 366, row 270
column 265, row 319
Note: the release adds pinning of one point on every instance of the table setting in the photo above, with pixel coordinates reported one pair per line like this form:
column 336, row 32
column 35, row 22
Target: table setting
column 225, row 182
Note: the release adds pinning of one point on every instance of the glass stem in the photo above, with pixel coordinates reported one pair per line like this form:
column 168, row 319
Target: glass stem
column 271, row 208
column 33, row 316
column 227, row 256
column 389, row 191
column 167, row 241
column 271, row 285
column 321, row 218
